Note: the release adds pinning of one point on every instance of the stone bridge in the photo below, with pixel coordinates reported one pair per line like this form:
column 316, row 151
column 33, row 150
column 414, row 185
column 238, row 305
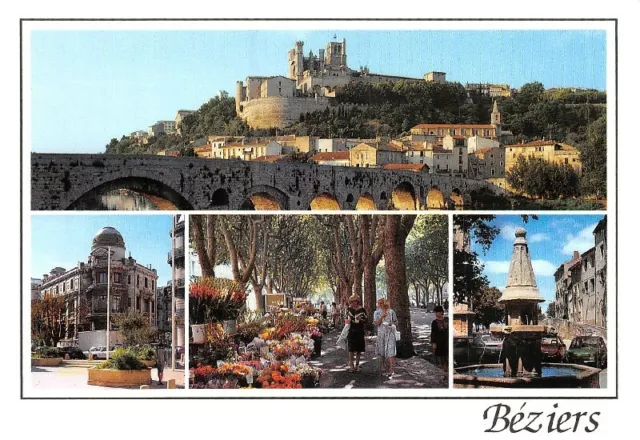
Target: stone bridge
column 67, row 181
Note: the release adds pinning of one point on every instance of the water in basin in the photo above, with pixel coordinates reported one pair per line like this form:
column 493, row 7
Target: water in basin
column 547, row 371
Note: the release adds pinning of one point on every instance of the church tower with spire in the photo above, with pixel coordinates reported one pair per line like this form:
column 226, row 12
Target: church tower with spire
column 496, row 119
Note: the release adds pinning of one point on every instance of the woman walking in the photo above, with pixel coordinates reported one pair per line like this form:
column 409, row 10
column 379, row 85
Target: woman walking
column 356, row 318
column 440, row 340
column 386, row 321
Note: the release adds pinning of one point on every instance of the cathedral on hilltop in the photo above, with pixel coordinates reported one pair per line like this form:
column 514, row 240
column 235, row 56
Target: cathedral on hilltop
column 277, row 101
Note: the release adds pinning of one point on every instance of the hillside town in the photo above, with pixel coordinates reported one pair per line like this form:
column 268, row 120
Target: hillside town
column 267, row 103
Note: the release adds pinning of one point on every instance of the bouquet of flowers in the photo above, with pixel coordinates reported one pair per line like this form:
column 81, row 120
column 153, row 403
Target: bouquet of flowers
column 289, row 323
column 278, row 375
column 309, row 376
column 295, row 346
column 227, row 375
column 215, row 299
column 268, row 333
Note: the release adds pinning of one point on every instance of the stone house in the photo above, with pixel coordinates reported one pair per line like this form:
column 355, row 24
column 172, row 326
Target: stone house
column 581, row 283
column 84, row 287
column 548, row 150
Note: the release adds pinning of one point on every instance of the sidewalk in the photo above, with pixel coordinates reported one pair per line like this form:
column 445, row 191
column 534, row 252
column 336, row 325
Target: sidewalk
column 415, row 372
column 76, row 378
column 168, row 373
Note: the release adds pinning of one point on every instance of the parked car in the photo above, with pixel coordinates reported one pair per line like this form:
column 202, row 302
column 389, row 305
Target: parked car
column 588, row 350
column 73, row 352
column 101, row 352
column 483, row 348
column 554, row 349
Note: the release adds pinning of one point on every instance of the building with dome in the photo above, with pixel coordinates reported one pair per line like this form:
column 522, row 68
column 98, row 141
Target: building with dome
column 84, row 287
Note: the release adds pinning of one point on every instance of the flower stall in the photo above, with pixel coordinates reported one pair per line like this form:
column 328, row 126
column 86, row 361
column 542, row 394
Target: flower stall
column 271, row 351
column 214, row 300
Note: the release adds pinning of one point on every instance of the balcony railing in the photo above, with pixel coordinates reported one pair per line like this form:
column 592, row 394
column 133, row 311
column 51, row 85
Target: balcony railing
column 179, row 253
column 179, row 283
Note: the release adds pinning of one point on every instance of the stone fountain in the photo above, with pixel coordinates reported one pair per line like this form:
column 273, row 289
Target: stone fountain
column 522, row 338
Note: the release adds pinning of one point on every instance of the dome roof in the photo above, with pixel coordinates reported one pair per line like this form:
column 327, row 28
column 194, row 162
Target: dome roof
column 107, row 236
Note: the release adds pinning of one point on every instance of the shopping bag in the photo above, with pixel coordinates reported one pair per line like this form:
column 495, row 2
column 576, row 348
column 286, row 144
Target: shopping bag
column 395, row 330
column 342, row 339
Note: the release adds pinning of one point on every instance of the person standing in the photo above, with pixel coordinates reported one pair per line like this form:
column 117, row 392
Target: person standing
column 323, row 310
column 440, row 339
column 356, row 318
column 160, row 363
column 386, row 321
column 335, row 314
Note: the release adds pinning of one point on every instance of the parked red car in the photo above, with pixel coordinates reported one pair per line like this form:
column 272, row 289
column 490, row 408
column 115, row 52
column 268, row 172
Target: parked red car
column 554, row 350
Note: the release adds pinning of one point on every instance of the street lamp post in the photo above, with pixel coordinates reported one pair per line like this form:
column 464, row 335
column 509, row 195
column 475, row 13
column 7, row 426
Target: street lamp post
column 173, row 293
column 108, row 299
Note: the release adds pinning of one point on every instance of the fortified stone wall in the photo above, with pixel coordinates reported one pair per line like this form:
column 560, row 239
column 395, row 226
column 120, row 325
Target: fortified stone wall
column 276, row 111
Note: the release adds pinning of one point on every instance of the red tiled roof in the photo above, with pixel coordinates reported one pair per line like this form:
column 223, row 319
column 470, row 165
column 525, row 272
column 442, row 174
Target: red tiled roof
column 271, row 159
column 336, row 155
column 427, row 126
column 485, row 149
column 534, row 144
column 406, row 167
column 543, row 144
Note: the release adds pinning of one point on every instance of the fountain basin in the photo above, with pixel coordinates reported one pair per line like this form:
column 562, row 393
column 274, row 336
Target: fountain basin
column 553, row 376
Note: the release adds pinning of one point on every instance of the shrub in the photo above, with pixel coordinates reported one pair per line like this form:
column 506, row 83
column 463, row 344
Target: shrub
column 123, row 359
column 47, row 352
column 146, row 353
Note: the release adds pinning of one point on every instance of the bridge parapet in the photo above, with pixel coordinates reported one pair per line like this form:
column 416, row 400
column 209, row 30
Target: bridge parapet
column 63, row 181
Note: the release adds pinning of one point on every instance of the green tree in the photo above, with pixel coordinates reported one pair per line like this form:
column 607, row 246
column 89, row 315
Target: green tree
column 135, row 328
column 487, row 307
column 539, row 178
column 593, row 153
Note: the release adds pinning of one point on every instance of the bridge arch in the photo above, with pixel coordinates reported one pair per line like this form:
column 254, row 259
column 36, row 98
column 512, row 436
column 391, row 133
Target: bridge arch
column 142, row 185
column 435, row 199
column 219, row 199
column 403, row 197
column 265, row 198
column 365, row 203
column 324, row 201
column 457, row 199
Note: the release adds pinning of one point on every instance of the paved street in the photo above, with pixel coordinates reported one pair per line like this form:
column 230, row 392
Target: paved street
column 416, row 372
column 75, row 378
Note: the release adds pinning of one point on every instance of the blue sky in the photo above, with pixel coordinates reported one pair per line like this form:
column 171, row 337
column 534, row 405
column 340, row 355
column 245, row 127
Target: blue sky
column 58, row 240
column 90, row 86
column 552, row 240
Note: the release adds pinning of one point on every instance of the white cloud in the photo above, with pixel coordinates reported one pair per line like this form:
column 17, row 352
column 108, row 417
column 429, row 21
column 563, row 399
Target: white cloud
column 508, row 232
column 496, row 266
column 580, row 242
column 538, row 237
column 541, row 268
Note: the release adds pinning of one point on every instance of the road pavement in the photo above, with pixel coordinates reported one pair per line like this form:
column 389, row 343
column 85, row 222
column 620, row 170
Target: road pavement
column 415, row 372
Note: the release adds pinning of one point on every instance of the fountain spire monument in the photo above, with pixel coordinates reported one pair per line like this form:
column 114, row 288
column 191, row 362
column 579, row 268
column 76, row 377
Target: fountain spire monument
column 522, row 354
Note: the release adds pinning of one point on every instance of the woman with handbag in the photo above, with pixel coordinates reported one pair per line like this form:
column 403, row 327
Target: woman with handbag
column 386, row 321
column 356, row 319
